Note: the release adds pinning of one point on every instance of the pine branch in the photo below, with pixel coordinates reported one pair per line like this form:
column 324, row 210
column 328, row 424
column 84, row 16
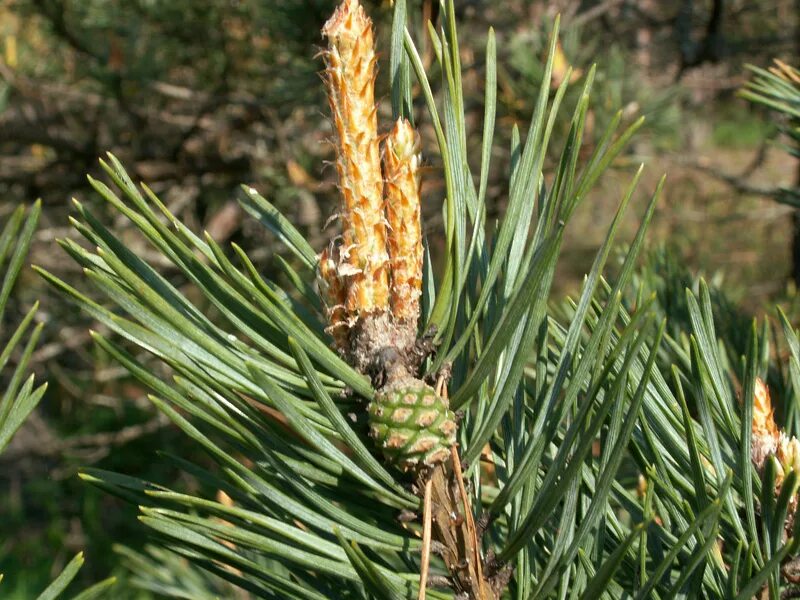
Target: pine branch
column 601, row 448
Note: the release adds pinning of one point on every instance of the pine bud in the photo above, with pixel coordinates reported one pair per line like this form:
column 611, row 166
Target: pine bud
column 401, row 165
column 350, row 78
column 333, row 294
column 765, row 434
column 767, row 440
column 788, row 455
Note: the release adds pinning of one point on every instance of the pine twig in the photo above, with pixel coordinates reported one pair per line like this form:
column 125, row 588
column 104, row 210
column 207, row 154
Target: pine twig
column 474, row 545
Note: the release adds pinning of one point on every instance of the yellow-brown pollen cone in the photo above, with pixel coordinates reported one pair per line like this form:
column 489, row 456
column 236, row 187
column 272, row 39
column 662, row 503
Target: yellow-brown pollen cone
column 350, row 79
column 401, row 167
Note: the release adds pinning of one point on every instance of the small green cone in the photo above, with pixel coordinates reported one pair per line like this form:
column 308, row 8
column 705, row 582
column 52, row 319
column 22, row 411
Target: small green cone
column 412, row 424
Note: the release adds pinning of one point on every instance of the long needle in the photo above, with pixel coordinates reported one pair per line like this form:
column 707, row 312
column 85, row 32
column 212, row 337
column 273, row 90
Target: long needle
column 426, row 537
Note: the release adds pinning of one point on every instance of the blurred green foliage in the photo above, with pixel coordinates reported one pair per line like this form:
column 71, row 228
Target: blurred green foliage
column 737, row 127
column 620, row 83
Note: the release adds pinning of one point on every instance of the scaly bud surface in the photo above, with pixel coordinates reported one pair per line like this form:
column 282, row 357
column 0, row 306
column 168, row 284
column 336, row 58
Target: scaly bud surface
column 788, row 455
column 350, row 78
column 333, row 294
column 765, row 432
column 401, row 165
column 767, row 440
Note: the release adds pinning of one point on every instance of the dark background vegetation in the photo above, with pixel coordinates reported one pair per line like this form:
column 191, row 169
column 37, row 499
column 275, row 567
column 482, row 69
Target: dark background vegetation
column 197, row 97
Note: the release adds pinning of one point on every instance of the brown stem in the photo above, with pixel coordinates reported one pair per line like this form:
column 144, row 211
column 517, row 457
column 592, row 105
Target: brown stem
column 453, row 529
column 474, row 549
column 455, row 536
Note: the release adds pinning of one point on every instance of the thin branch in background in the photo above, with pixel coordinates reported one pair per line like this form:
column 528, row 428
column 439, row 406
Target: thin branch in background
column 595, row 12
column 738, row 182
column 91, row 446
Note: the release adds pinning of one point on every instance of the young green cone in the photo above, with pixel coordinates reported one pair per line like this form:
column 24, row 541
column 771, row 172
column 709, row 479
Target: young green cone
column 412, row 424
